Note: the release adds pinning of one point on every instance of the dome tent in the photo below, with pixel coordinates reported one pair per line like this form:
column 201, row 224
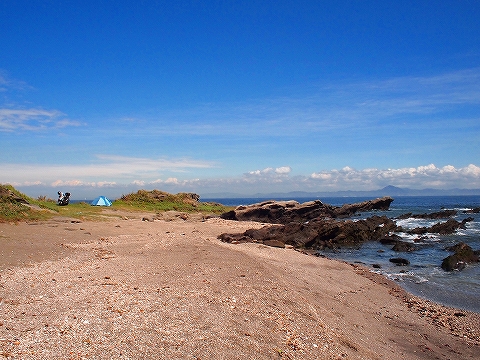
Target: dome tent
column 101, row 201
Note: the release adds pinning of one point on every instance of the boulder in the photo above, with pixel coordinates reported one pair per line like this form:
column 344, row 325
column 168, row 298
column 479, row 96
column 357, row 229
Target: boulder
column 400, row 261
column 390, row 239
column 463, row 255
column 403, row 246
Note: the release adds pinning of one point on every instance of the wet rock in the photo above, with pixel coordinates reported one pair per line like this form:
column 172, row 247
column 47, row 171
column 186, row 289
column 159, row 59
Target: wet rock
column 472, row 211
column 400, row 261
column 445, row 228
column 403, row 246
column 463, row 255
column 435, row 215
column 390, row 239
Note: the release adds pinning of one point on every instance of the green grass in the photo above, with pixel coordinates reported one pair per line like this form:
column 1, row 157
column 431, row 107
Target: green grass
column 158, row 201
column 13, row 210
column 14, row 206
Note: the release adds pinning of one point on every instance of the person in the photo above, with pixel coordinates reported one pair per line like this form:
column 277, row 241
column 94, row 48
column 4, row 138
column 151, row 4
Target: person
column 60, row 197
column 63, row 199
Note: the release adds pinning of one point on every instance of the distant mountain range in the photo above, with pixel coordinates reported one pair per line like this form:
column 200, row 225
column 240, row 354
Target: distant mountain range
column 386, row 191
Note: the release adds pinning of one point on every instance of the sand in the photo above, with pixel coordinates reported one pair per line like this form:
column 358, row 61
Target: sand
column 125, row 288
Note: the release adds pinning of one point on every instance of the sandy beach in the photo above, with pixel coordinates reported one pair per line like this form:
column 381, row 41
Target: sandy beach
column 125, row 288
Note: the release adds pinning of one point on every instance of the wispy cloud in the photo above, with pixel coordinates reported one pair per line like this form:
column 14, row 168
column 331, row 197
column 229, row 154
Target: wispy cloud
column 8, row 84
column 15, row 117
column 105, row 169
column 33, row 120
column 327, row 108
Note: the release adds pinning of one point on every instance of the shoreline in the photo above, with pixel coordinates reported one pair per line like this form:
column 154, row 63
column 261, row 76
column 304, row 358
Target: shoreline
column 171, row 289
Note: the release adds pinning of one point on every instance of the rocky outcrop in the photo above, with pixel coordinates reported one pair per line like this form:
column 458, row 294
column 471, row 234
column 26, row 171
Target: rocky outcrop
column 284, row 212
column 435, row 215
column 314, row 226
column 463, row 254
column 376, row 204
column 445, row 228
column 319, row 233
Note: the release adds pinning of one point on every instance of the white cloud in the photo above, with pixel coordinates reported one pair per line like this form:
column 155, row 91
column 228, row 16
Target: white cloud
column 106, row 183
column 283, row 170
column 270, row 171
column 171, row 181
column 106, row 168
column 72, row 183
column 420, row 177
column 267, row 180
column 33, row 120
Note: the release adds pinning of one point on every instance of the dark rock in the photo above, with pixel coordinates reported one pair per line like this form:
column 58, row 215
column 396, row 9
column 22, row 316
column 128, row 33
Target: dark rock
column 405, row 216
column 463, row 255
column 229, row 215
column 376, row 266
column 390, row 239
column 445, row 228
column 472, row 211
column 377, row 204
column 403, row 246
column 400, row 261
column 435, row 215
column 283, row 212
column 319, row 233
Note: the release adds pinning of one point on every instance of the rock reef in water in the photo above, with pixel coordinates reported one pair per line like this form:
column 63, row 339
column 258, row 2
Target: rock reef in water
column 283, row 212
column 435, row 215
column 316, row 226
column 311, row 225
column 445, row 228
column 463, row 255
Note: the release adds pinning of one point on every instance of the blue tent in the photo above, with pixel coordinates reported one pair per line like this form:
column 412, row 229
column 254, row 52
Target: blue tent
column 101, row 201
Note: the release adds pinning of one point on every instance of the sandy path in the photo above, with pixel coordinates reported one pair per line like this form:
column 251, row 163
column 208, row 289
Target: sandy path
column 131, row 289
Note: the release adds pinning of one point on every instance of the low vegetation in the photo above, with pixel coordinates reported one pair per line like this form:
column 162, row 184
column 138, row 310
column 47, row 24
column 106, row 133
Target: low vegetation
column 157, row 200
column 15, row 206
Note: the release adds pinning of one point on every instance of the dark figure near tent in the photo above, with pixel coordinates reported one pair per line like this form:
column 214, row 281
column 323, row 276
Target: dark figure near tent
column 63, row 199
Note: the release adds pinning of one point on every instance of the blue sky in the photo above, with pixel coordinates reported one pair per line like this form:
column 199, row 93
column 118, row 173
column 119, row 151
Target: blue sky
column 107, row 97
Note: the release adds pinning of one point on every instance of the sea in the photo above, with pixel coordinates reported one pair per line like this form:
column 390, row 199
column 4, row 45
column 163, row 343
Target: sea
column 423, row 277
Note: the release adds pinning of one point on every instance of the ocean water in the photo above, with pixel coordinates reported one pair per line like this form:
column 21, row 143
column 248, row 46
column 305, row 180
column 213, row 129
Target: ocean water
column 423, row 277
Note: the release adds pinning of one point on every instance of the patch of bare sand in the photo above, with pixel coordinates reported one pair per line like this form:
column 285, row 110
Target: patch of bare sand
column 171, row 290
